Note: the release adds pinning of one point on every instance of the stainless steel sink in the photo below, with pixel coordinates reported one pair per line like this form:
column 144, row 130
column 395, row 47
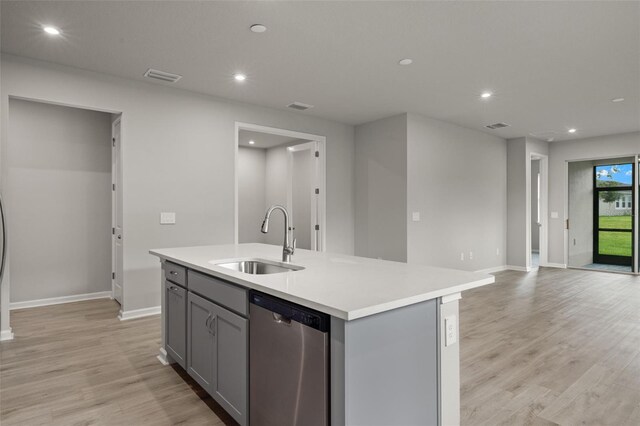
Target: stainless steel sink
column 259, row 266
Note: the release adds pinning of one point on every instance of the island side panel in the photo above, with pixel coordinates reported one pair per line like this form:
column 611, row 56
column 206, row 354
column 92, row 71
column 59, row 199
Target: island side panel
column 163, row 357
column 390, row 368
column 449, row 362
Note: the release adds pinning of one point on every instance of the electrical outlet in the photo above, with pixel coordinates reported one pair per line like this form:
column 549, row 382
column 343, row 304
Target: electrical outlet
column 462, row 256
column 554, row 215
column 470, row 255
column 451, row 330
column 497, row 251
column 415, row 216
column 167, row 218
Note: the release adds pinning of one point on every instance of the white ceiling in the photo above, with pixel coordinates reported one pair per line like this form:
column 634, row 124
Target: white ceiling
column 262, row 140
column 552, row 65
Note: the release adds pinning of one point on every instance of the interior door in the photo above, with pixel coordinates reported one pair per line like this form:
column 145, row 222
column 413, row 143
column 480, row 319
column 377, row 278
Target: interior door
column 613, row 214
column 116, row 203
column 303, row 194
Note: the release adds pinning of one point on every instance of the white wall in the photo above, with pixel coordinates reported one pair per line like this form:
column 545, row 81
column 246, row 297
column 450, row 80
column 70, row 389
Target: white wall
column 579, row 149
column 457, row 180
column 381, row 189
column 251, row 194
column 58, row 200
column 178, row 155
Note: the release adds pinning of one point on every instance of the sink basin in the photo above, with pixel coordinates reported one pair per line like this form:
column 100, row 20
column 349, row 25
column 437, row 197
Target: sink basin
column 259, row 266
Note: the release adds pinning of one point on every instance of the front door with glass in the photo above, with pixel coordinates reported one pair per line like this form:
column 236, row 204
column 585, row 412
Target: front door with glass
column 613, row 214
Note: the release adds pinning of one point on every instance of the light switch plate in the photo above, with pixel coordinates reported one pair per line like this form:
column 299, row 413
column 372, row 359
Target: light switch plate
column 554, row 215
column 167, row 218
column 450, row 330
column 415, row 216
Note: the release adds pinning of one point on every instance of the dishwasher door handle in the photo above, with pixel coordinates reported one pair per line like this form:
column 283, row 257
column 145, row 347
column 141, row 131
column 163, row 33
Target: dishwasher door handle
column 281, row 319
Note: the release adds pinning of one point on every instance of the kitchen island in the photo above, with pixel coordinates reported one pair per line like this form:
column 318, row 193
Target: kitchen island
column 393, row 341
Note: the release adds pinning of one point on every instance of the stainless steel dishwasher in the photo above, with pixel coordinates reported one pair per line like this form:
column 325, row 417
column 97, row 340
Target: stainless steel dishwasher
column 289, row 363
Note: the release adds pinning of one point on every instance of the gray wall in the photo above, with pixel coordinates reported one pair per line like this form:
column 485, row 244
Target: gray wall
column 457, row 180
column 276, row 191
column 178, row 155
column 535, row 230
column 58, row 198
column 251, row 194
column 580, row 149
column 580, row 213
column 381, row 189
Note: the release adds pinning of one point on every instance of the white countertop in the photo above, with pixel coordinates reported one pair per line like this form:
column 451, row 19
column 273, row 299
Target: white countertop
column 346, row 287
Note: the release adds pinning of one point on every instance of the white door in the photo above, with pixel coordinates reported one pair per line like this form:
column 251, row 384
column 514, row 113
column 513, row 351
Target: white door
column 303, row 195
column 116, row 202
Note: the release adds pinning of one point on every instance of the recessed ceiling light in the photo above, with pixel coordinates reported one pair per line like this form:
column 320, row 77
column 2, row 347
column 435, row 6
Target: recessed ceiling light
column 572, row 130
column 51, row 30
column 258, row 28
column 290, row 148
column 617, row 100
column 252, row 142
column 486, row 95
column 405, row 61
column 240, row 77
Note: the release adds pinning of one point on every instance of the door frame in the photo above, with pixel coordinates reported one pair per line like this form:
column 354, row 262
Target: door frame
column 116, row 207
column 312, row 145
column 544, row 207
column 612, row 259
column 322, row 175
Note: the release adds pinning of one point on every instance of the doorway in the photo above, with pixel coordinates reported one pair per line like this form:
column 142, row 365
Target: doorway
column 602, row 206
column 613, row 225
column 537, row 223
column 280, row 167
column 58, row 166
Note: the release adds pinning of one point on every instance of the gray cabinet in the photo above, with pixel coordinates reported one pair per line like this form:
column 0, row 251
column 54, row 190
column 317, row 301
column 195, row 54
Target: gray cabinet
column 217, row 347
column 175, row 322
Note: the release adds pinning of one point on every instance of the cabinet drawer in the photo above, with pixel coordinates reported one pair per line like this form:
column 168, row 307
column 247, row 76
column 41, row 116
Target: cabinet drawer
column 220, row 292
column 175, row 273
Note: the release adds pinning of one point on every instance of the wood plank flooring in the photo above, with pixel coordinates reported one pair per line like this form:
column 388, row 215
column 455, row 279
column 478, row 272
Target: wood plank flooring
column 548, row 347
column 551, row 347
column 77, row 364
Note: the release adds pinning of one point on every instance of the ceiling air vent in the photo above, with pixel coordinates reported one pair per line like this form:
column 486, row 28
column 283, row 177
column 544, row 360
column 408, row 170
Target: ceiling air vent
column 161, row 75
column 496, row 126
column 299, row 106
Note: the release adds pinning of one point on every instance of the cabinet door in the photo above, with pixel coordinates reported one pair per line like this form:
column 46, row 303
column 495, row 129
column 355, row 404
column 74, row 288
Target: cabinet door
column 201, row 342
column 230, row 388
column 176, row 322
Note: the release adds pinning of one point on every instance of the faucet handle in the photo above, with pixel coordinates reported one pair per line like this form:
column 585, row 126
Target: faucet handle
column 295, row 240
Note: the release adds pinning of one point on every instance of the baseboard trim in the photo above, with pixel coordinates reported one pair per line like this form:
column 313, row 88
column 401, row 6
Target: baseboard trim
column 492, row 270
column 162, row 357
column 518, row 268
column 138, row 313
column 6, row 335
column 555, row 265
column 59, row 300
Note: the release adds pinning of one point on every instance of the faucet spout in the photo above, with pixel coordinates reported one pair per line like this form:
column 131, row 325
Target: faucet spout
column 287, row 249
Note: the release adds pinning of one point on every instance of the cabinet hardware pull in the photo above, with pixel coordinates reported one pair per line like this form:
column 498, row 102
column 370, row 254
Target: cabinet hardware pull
column 173, row 272
column 206, row 323
column 211, row 326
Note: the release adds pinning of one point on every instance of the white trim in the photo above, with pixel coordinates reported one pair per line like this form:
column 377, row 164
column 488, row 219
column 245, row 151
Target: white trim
column 543, row 229
column 518, row 268
column 492, row 270
column 554, row 265
column 6, row 335
column 322, row 175
column 450, row 298
column 138, row 313
column 163, row 357
column 59, row 300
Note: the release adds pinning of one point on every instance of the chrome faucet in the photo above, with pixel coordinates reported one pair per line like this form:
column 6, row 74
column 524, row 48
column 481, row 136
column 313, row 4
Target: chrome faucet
column 287, row 250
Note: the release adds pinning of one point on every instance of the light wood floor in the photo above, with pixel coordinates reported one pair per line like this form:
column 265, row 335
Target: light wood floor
column 549, row 347
column 552, row 347
column 77, row 364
